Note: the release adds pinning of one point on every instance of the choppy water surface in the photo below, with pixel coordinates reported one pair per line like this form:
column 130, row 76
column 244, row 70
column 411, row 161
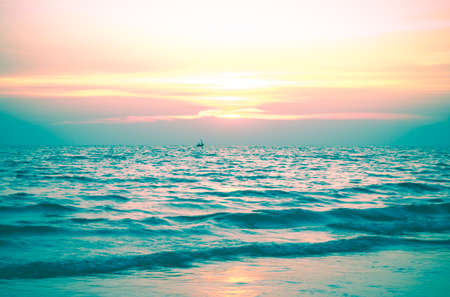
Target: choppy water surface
column 90, row 211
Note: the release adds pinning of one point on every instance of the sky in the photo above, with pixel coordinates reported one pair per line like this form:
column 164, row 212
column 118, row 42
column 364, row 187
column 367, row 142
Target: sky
column 230, row 72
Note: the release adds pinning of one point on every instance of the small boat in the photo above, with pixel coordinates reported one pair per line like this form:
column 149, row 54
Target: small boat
column 200, row 144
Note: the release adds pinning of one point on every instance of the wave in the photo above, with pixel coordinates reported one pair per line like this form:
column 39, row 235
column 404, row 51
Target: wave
column 182, row 180
column 400, row 187
column 109, row 208
column 155, row 221
column 106, row 227
column 363, row 190
column 397, row 228
column 18, row 195
column 125, row 221
column 419, row 187
column 186, row 258
column 137, row 231
column 74, row 178
column 255, row 193
column 77, row 157
column 27, row 229
column 271, row 219
column 255, row 177
column 395, row 212
column 113, row 197
column 391, row 220
column 147, row 221
column 88, row 220
column 44, row 206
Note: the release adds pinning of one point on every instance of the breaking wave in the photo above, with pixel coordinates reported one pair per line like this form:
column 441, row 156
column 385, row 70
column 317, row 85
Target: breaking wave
column 185, row 258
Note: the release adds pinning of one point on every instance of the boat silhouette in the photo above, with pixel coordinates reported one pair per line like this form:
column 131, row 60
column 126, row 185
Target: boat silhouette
column 200, row 144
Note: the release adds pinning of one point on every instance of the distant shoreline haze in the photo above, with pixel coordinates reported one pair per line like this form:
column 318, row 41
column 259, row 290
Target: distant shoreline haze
column 229, row 132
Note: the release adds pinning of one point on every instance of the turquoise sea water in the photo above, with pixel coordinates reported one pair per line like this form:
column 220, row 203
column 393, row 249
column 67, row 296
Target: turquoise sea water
column 224, row 221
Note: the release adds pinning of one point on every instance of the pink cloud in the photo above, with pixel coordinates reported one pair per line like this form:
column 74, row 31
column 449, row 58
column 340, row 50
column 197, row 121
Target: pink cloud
column 251, row 113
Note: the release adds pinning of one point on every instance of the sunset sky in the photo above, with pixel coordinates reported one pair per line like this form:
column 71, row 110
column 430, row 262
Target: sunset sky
column 231, row 72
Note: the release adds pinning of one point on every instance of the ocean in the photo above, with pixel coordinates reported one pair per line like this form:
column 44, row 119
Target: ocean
column 224, row 221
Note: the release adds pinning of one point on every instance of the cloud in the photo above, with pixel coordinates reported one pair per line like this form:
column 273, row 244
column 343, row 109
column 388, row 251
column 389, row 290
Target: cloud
column 249, row 113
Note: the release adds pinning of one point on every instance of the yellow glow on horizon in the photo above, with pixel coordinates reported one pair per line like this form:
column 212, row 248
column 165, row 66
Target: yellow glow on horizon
column 229, row 116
